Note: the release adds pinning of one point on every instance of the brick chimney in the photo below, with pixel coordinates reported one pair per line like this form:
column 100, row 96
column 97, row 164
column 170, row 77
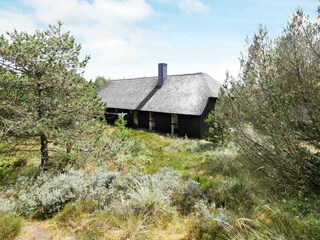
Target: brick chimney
column 162, row 74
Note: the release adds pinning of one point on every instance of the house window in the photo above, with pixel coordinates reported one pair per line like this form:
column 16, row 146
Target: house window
column 174, row 123
column 151, row 121
column 135, row 119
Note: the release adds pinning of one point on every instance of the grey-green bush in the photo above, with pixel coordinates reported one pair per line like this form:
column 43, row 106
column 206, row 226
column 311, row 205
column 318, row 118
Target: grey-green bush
column 161, row 193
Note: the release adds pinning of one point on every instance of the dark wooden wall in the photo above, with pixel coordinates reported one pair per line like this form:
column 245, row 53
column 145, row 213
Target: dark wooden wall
column 110, row 118
column 190, row 126
column 143, row 119
column 163, row 122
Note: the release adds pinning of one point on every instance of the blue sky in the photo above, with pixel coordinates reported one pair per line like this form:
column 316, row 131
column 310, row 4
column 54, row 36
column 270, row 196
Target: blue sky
column 128, row 38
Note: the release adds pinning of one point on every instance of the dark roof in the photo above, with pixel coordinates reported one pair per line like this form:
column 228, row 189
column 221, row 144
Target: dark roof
column 181, row 94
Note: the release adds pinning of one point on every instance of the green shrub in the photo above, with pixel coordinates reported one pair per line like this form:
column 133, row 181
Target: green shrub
column 231, row 193
column 76, row 210
column 151, row 195
column 223, row 161
column 209, row 222
column 118, row 144
column 192, row 194
column 218, row 133
column 10, row 226
column 5, row 172
column 273, row 104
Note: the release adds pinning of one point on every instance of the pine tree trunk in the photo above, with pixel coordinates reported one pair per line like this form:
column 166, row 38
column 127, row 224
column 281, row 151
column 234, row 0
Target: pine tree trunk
column 44, row 150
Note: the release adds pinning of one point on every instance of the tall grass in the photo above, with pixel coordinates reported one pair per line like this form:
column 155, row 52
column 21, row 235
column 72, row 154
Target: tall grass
column 139, row 185
column 10, row 226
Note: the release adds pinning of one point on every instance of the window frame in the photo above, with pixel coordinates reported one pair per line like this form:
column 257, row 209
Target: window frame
column 152, row 122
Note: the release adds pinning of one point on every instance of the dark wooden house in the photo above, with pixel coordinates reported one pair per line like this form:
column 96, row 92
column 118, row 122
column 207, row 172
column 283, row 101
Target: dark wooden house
column 174, row 104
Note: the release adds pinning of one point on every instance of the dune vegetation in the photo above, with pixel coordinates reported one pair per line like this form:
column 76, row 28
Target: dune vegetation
column 66, row 174
column 133, row 184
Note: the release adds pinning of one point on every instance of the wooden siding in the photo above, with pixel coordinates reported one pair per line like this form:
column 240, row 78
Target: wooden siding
column 110, row 118
column 143, row 119
column 189, row 125
column 163, row 122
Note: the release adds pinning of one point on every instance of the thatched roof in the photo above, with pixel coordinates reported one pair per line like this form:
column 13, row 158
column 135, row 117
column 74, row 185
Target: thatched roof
column 181, row 94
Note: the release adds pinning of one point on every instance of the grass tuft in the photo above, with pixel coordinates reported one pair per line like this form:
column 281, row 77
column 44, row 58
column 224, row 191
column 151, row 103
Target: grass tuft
column 10, row 226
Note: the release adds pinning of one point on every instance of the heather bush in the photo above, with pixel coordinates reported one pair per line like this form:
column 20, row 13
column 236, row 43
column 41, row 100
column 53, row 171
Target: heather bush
column 192, row 194
column 99, row 187
column 209, row 222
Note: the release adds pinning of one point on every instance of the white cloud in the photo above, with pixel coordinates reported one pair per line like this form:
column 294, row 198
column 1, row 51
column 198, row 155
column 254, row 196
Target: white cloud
column 192, row 6
column 79, row 11
column 188, row 6
column 10, row 19
column 107, row 29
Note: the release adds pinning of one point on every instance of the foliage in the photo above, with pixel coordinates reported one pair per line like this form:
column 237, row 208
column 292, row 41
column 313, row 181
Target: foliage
column 121, row 122
column 74, row 211
column 209, row 195
column 273, row 105
column 145, row 194
column 10, row 226
column 218, row 132
column 209, row 222
column 99, row 81
column 6, row 205
column 41, row 87
column 272, row 223
column 122, row 131
column 49, row 194
column 117, row 146
column 153, row 194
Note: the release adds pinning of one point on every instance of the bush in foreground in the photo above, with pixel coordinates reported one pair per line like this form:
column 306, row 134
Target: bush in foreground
column 273, row 105
column 10, row 226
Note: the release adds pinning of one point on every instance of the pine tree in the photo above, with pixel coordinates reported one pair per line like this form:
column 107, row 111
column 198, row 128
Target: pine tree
column 41, row 85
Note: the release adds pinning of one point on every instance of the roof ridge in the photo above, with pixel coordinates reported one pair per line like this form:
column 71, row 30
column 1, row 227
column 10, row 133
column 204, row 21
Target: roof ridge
column 173, row 75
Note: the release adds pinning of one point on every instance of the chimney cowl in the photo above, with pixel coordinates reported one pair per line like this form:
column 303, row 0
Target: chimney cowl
column 162, row 74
